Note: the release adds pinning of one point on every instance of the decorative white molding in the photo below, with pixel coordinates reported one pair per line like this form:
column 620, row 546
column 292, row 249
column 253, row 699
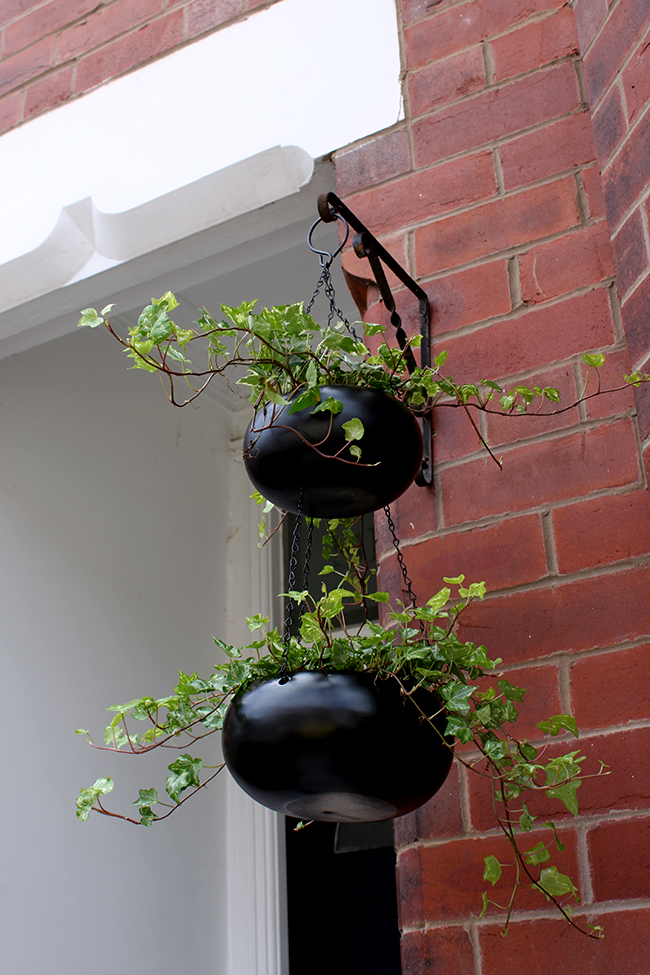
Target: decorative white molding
column 83, row 233
column 255, row 844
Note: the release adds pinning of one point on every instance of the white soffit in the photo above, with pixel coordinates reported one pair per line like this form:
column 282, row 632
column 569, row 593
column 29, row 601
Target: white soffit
column 195, row 140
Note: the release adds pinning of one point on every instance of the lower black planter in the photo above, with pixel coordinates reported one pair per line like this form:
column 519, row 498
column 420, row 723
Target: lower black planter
column 340, row 747
column 281, row 462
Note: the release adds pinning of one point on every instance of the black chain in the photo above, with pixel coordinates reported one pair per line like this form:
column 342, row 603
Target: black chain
column 400, row 558
column 291, row 585
column 325, row 282
column 305, row 569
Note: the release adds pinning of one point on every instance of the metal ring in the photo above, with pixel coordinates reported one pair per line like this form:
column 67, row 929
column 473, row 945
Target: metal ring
column 324, row 256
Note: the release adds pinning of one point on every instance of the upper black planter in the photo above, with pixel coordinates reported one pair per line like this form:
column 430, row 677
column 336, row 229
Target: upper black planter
column 280, row 461
column 339, row 747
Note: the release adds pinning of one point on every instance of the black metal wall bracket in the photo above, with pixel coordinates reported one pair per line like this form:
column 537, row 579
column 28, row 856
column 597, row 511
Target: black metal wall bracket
column 367, row 245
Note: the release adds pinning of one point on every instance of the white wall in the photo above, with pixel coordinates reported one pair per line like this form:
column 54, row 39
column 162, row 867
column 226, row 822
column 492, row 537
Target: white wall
column 113, row 520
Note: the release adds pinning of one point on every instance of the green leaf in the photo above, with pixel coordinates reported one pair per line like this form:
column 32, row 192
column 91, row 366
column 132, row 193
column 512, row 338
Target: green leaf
column 185, row 773
column 510, row 691
column 566, row 793
column 526, row 820
column 87, row 797
column 309, row 398
column 371, row 329
column 146, row 797
column 256, row 622
column 106, row 309
column 356, row 452
column 492, row 871
column 538, row 854
column 557, row 723
column 594, row 359
column 457, row 696
column 353, row 429
column 330, row 403
column 556, row 883
column 90, row 319
column 440, row 359
column 550, row 392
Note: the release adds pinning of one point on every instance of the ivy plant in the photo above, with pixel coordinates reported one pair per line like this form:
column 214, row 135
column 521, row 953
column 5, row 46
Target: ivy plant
column 286, row 359
column 415, row 645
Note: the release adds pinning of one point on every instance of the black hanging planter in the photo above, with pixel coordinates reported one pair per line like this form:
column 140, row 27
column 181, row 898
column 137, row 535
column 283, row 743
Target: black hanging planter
column 337, row 747
column 286, row 453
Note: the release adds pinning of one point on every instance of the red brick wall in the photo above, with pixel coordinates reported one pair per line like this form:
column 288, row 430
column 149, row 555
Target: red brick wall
column 490, row 194
column 52, row 51
column 615, row 41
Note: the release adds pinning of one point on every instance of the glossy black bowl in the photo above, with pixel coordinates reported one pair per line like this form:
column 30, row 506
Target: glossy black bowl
column 340, row 747
column 280, row 460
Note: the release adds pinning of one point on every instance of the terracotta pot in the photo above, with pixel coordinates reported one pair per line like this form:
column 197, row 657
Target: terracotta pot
column 281, row 460
column 338, row 747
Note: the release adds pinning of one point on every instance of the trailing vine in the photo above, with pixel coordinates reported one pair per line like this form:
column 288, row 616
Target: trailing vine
column 417, row 646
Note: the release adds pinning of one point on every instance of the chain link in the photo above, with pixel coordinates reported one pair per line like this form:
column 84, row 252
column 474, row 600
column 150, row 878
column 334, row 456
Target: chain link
column 325, row 282
column 291, row 585
column 400, row 558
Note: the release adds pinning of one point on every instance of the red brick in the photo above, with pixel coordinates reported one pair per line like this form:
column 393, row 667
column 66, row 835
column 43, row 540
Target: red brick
column 553, row 947
column 589, row 15
column 571, row 616
column 46, row 20
column 620, row 672
column 10, row 111
column 626, row 22
column 506, row 554
column 538, row 337
column 437, row 951
column 642, row 401
column 105, row 24
column 50, row 91
column 637, row 325
column 537, row 474
column 21, row 68
column 452, row 874
column 535, row 44
column 15, row 8
column 508, row 428
column 624, row 787
column 627, row 757
column 469, row 296
column 446, row 81
column 414, row 514
column 455, row 437
column 359, row 267
column 610, row 125
column 137, row 47
column 630, row 251
column 541, row 700
column 607, row 402
column 497, row 113
column 499, row 225
column 566, row 263
column 594, row 191
column 203, row 15
column 620, row 857
column 371, row 163
column 636, row 81
column 426, row 194
column 460, row 298
column 409, row 888
column 545, row 152
column 602, row 531
column 440, row 816
column 413, row 10
column 449, row 31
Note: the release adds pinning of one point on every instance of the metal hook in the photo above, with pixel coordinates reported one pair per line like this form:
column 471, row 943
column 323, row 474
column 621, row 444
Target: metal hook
column 325, row 257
